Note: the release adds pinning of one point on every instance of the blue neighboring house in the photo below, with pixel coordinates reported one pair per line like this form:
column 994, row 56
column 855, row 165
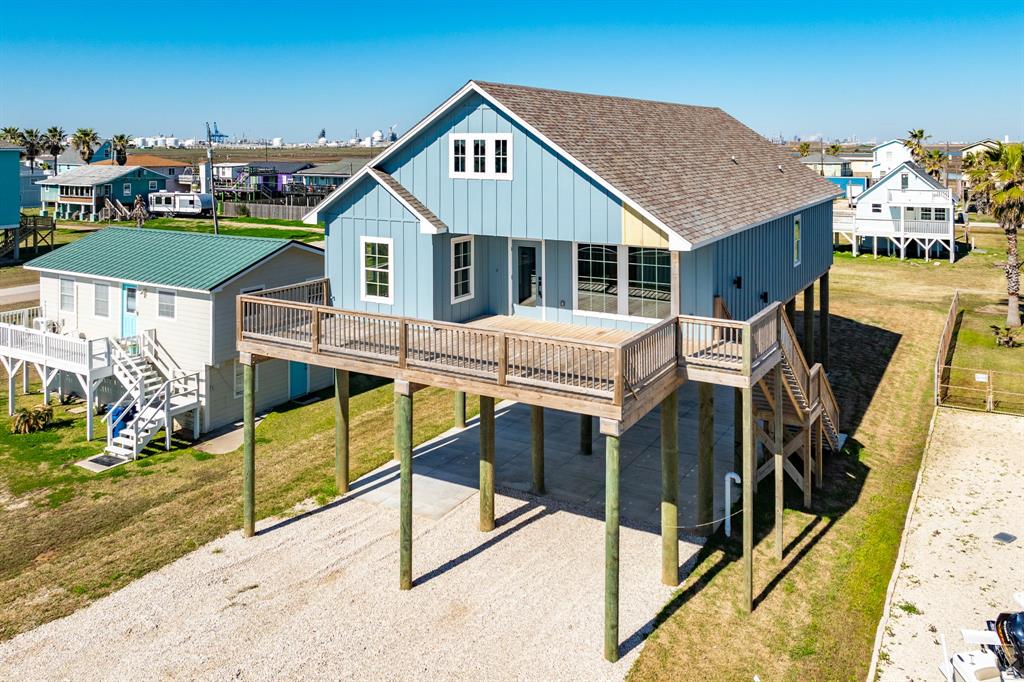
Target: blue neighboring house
column 10, row 185
column 591, row 210
column 72, row 158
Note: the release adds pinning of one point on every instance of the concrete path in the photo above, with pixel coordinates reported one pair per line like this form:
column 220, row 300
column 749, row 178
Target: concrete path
column 954, row 573
column 26, row 293
column 316, row 596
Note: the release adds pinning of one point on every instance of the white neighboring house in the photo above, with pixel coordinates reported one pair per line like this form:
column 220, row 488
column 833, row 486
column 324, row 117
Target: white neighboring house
column 887, row 156
column 145, row 319
column 906, row 206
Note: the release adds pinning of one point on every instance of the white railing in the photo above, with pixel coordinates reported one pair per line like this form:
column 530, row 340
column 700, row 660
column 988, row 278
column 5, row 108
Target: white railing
column 926, row 197
column 54, row 350
column 22, row 317
column 153, row 413
column 935, row 227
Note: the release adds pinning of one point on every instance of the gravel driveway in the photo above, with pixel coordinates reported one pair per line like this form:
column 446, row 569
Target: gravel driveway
column 953, row 574
column 317, row 597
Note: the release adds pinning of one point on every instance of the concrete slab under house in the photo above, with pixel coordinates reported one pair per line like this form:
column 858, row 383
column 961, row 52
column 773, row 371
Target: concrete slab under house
column 503, row 248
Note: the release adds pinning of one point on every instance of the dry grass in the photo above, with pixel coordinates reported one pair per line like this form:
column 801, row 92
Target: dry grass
column 70, row 537
column 817, row 611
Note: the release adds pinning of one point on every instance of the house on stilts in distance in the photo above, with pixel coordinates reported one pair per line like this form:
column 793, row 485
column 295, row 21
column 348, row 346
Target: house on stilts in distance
column 575, row 252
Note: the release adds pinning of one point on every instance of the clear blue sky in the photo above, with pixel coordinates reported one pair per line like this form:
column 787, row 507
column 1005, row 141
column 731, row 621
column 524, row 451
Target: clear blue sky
column 286, row 68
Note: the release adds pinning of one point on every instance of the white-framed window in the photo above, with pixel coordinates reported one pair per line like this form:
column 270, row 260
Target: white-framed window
column 798, row 242
column 926, row 213
column 67, row 295
column 876, row 208
column 904, row 181
column 480, row 156
column 165, row 304
column 940, row 214
column 126, row 189
column 462, row 268
column 239, row 378
column 623, row 281
column 152, row 185
column 376, row 269
column 101, row 299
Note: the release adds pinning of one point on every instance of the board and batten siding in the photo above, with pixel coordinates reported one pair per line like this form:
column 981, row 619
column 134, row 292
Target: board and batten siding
column 763, row 257
column 371, row 211
column 547, row 196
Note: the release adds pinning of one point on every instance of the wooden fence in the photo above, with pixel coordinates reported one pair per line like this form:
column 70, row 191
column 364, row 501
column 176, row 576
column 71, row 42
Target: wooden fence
column 230, row 209
column 945, row 341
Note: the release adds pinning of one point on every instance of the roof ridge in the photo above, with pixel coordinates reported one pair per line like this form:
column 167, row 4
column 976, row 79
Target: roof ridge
column 620, row 98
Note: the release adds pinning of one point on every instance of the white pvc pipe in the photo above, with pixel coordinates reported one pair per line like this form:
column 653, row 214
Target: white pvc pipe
column 731, row 476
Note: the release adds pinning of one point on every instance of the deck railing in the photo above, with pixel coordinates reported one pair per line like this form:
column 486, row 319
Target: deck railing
column 934, row 227
column 22, row 317
column 54, row 350
column 294, row 317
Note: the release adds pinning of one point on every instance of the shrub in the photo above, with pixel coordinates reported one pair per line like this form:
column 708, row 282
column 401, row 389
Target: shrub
column 31, row 420
column 1004, row 336
column 242, row 211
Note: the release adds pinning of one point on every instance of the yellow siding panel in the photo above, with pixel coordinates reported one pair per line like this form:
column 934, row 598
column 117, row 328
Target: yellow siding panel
column 638, row 231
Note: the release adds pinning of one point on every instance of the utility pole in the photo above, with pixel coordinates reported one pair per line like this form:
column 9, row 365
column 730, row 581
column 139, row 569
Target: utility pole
column 209, row 170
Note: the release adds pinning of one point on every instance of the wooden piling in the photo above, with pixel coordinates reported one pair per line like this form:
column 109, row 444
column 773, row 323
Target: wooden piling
column 737, row 430
column 486, row 463
column 705, row 457
column 537, row 448
column 808, row 473
column 586, row 434
column 341, row 428
column 670, row 489
column 611, row 549
column 460, row 409
column 403, row 453
column 749, row 474
column 809, row 323
column 248, row 451
column 823, row 322
column 778, row 430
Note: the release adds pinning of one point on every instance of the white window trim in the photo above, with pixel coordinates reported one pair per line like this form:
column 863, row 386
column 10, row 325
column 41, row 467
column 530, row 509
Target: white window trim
column 622, row 270
column 152, row 185
column 363, row 296
column 126, row 189
column 797, row 244
column 96, row 287
column 60, row 295
column 489, row 139
column 472, row 269
column 174, row 304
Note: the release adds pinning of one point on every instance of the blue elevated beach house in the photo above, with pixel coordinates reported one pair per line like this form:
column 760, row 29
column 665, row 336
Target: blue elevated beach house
column 581, row 253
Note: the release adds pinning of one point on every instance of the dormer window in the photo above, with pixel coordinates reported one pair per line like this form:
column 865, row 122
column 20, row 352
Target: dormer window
column 491, row 156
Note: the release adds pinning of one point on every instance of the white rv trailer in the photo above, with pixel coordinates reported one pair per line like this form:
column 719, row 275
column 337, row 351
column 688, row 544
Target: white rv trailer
column 180, row 203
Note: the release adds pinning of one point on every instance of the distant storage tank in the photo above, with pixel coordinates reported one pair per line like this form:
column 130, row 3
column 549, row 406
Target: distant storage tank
column 171, row 141
column 277, row 142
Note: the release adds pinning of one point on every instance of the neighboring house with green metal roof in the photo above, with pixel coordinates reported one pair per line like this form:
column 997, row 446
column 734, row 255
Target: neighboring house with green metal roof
column 172, row 294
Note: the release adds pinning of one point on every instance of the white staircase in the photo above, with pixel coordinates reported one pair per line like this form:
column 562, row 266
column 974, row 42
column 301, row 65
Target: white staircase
column 154, row 395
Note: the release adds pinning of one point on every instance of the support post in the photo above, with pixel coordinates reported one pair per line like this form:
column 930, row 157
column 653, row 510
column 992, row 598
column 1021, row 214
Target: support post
column 791, row 311
column 341, row 428
column 824, row 323
column 403, row 453
column 670, row 489
column 586, row 434
column 248, row 450
column 819, row 436
column 486, row 463
column 705, row 457
column 808, row 472
column 737, row 431
column 611, row 549
column 537, row 448
column 780, row 475
column 88, row 407
column 460, row 409
column 749, row 474
column 10, row 391
column 809, row 323
column 24, row 377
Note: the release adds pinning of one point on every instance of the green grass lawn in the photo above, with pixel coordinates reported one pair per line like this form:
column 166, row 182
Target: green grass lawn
column 240, row 227
column 12, row 274
column 70, row 536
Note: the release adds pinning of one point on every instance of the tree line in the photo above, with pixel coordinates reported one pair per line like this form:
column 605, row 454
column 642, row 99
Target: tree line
column 55, row 140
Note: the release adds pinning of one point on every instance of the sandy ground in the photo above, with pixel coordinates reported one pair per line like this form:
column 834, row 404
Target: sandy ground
column 953, row 573
column 316, row 597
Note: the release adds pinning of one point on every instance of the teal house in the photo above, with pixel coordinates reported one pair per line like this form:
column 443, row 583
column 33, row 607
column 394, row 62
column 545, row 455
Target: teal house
column 94, row 192
column 72, row 157
column 577, row 254
column 10, row 185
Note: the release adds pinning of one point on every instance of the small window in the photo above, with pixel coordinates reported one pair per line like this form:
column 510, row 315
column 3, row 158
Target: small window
column 462, row 269
column 459, row 156
column 904, row 181
column 940, row 214
column 131, row 297
column 376, row 270
column 501, row 157
column 797, row 242
column 239, row 379
column 67, row 295
column 165, row 304
column 101, row 300
column 126, row 189
column 876, row 208
column 152, row 185
column 926, row 213
column 479, row 156
column 170, row 171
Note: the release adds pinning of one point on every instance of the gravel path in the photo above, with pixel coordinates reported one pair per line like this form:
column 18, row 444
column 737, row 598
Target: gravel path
column 953, row 574
column 317, row 598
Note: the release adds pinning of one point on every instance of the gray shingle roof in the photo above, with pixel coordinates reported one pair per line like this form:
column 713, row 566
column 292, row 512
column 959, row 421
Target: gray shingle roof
column 696, row 169
column 817, row 157
column 88, row 176
column 397, row 188
column 342, row 168
column 8, row 145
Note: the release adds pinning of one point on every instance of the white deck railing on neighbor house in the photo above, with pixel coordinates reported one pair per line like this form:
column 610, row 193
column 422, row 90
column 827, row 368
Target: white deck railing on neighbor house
column 81, row 356
column 928, row 227
column 920, row 197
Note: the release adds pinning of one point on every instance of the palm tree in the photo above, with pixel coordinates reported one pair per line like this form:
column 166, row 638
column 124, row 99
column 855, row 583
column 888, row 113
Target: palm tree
column 1000, row 176
column 11, row 135
column 835, row 149
column 85, row 140
column 915, row 143
column 119, row 144
column 934, row 162
column 32, row 142
column 805, row 148
column 53, row 143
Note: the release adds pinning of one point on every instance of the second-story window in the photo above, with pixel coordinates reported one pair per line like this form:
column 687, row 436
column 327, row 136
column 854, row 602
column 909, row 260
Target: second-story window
column 500, row 157
column 479, row 156
column 462, row 269
column 904, row 181
column 376, row 269
column 459, row 156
